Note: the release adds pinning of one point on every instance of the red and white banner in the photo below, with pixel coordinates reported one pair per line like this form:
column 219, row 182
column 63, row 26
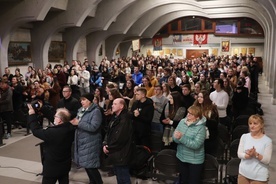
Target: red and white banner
column 200, row 38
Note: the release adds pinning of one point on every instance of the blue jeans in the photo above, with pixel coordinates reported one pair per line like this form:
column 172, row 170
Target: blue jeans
column 158, row 127
column 122, row 174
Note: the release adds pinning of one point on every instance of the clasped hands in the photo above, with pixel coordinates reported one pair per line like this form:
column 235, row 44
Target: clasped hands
column 166, row 121
column 177, row 134
column 251, row 152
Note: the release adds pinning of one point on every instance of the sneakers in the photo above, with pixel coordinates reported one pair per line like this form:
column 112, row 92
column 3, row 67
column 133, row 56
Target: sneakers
column 7, row 136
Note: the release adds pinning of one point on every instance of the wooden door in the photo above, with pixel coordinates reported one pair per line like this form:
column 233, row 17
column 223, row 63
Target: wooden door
column 195, row 53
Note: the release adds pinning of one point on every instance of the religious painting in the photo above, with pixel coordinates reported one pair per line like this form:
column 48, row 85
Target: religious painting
column 149, row 52
column 174, row 52
column 161, row 52
column 179, row 52
column 235, row 51
column 215, row 51
column 225, row 46
column 251, row 50
column 157, row 43
column 57, row 51
column 19, row 53
column 167, row 51
column 244, row 51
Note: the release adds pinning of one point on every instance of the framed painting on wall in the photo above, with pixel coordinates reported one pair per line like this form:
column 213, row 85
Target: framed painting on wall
column 167, row 51
column 149, row 52
column 225, row 46
column 179, row 52
column 161, row 52
column 235, row 51
column 174, row 52
column 215, row 51
column 19, row 53
column 252, row 51
column 57, row 51
column 244, row 51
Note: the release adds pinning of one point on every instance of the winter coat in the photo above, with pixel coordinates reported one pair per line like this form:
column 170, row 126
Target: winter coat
column 56, row 153
column 119, row 140
column 190, row 148
column 6, row 101
column 88, row 139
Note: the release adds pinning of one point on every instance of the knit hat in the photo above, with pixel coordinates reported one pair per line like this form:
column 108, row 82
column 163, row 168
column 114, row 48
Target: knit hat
column 88, row 96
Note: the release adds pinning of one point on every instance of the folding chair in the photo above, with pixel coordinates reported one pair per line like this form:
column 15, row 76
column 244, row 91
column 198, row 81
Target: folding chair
column 212, row 170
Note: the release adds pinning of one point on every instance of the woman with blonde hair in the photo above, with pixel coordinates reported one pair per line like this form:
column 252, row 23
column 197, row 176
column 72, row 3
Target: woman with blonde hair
column 255, row 151
column 190, row 136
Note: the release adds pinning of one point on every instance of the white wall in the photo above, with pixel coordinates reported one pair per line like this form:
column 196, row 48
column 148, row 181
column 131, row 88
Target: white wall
column 214, row 42
column 23, row 35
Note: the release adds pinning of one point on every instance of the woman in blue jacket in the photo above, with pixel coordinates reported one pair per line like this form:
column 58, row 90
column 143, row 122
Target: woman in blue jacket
column 88, row 139
column 190, row 136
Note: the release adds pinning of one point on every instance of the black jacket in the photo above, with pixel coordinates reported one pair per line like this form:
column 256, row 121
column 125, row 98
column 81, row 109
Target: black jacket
column 119, row 140
column 71, row 104
column 146, row 110
column 56, row 155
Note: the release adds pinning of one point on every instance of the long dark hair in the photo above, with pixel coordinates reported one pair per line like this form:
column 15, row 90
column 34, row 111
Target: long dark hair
column 176, row 104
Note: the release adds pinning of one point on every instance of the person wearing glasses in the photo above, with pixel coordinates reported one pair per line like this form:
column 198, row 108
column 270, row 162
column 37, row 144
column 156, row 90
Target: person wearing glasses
column 56, row 159
column 69, row 102
column 190, row 135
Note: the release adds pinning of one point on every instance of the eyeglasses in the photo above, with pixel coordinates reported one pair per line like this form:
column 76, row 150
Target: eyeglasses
column 190, row 113
column 65, row 91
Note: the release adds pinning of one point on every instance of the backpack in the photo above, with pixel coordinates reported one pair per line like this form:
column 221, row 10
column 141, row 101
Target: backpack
column 141, row 155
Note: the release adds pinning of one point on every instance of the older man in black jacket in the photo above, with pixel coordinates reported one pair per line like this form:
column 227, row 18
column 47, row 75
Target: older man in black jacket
column 56, row 147
column 119, row 141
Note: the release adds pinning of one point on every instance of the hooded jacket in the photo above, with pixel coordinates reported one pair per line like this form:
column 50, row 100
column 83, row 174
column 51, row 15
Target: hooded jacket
column 146, row 110
column 88, row 139
column 190, row 148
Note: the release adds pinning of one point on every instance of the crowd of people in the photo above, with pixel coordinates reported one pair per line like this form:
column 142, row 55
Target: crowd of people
column 121, row 103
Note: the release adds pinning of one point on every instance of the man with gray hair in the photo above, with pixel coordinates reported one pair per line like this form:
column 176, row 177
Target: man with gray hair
column 56, row 159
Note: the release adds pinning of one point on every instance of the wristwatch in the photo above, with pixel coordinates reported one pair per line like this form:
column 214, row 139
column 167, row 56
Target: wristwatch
column 257, row 155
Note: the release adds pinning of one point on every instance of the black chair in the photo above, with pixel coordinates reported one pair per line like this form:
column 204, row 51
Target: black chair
column 156, row 142
column 249, row 110
column 165, row 165
column 212, row 170
column 224, row 135
column 232, row 170
column 241, row 120
column 234, row 148
column 239, row 131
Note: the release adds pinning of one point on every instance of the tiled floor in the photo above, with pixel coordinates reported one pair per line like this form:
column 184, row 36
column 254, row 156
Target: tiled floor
column 14, row 170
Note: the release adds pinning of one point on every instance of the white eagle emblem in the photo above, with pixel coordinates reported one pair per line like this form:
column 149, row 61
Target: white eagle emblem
column 200, row 38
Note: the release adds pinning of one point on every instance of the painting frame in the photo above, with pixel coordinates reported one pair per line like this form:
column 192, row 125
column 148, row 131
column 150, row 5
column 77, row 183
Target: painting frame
column 225, row 46
column 57, row 51
column 19, row 53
